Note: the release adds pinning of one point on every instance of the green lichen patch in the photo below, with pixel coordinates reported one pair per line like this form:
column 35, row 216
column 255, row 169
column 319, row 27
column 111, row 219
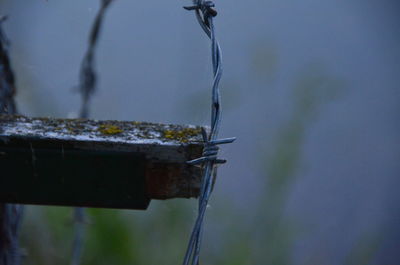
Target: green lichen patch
column 109, row 129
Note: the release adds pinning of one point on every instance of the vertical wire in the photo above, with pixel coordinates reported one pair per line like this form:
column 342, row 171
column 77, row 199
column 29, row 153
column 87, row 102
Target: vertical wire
column 10, row 214
column 87, row 87
column 204, row 14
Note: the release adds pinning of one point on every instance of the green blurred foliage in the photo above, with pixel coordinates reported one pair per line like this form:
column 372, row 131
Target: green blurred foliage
column 155, row 236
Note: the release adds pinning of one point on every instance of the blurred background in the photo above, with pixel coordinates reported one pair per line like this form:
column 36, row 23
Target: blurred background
column 310, row 89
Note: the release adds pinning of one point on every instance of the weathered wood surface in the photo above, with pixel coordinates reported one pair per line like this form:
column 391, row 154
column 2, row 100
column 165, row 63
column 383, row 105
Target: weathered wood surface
column 109, row 164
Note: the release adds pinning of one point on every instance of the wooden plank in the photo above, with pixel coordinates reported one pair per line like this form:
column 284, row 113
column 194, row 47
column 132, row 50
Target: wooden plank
column 108, row 164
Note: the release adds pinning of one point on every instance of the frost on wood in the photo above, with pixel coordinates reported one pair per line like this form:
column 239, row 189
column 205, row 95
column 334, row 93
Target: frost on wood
column 164, row 147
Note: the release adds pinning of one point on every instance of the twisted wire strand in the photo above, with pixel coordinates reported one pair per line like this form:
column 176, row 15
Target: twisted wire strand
column 205, row 13
column 10, row 214
column 7, row 79
column 88, row 77
column 87, row 86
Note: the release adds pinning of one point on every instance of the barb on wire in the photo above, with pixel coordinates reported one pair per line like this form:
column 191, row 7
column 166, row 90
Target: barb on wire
column 10, row 214
column 87, row 87
column 205, row 13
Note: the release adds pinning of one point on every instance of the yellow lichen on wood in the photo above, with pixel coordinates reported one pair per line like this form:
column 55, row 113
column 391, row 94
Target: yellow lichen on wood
column 181, row 135
column 109, row 129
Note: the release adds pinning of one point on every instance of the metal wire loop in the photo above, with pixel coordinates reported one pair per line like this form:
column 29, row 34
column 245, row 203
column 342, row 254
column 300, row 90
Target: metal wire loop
column 210, row 151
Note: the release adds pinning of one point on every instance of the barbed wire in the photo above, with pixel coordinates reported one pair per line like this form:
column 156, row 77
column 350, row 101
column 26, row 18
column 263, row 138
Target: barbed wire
column 205, row 13
column 88, row 77
column 7, row 79
column 87, row 86
column 10, row 214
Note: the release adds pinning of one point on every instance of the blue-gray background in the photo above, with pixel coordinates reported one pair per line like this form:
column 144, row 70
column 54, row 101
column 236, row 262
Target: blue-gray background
column 310, row 88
